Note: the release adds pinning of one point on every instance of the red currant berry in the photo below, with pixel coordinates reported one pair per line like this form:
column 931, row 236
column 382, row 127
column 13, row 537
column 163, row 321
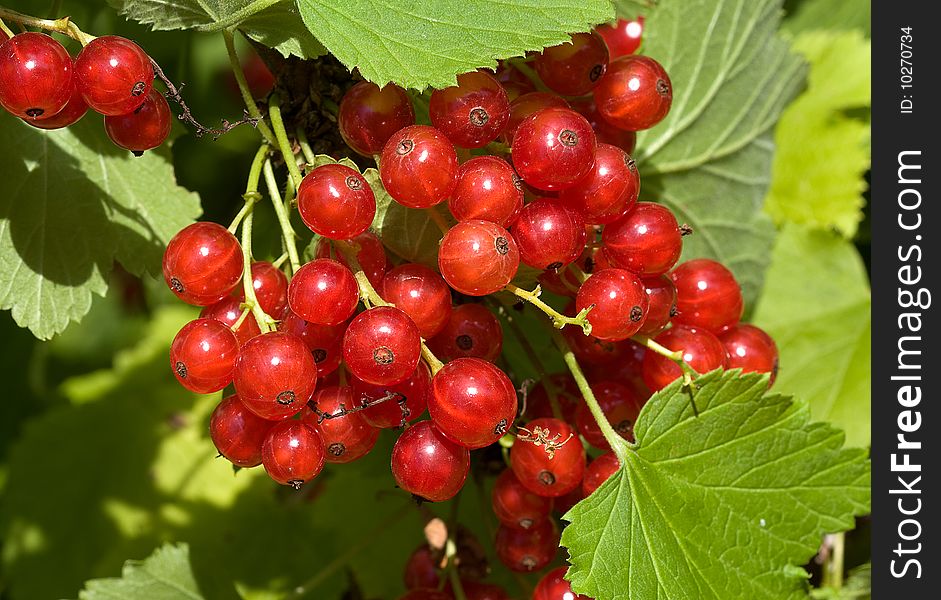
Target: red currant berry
column 619, row 404
column 477, row 590
column 609, row 191
column 275, row 375
column 293, row 453
column 382, row 346
column 371, row 256
column 707, row 295
column 605, row 132
column 429, row 465
column 421, row 569
column 203, row 356
column 634, row 94
column 325, row 342
column 620, row 303
column 598, row 471
column 238, row 433
column 514, row 90
column 488, row 189
column 35, row 76
column 701, row 350
column 553, row 586
column 407, row 402
column 647, row 241
column 751, row 350
column 335, row 201
column 472, row 331
column 228, row 311
column 527, row 104
column 419, row 166
column 574, row 68
column 662, row 295
column 472, row 402
column 563, row 504
column 590, row 350
column 271, row 288
column 324, row 292
column 143, row 129
column 347, row 437
column 516, row 506
column 473, row 112
column 566, row 394
column 624, row 37
column 549, row 234
column 73, row 112
column 478, row 257
column 114, row 74
column 554, row 148
column 421, row 293
column 551, row 477
column 527, row 550
column 369, row 115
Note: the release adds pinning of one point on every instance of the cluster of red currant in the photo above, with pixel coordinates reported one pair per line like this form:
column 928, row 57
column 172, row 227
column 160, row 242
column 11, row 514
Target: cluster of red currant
column 44, row 86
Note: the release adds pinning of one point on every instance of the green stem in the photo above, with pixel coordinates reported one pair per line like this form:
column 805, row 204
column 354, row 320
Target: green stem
column 558, row 319
column 287, row 231
column 265, row 323
column 245, row 90
column 520, row 65
column 308, row 152
column 456, row 586
column 689, row 373
column 274, row 113
column 438, row 218
column 64, row 25
column 833, row 567
column 6, row 30
column 235, row 18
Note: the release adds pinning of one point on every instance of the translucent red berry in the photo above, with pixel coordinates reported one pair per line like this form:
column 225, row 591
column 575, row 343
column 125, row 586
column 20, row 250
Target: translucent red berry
column 488, row 189
column 237, row 432
column 624, row 37
column 662, row 295
column 619, row 403
column 382, row 346
column 421, row 568
column 202, row 263
column 325, row 342
column 142, row 129
column 324, row 292
column 598, row 471
column 347, row 437
column 516, row 506
column 275, row 375
column 605, row 132
column 421, row 293
column 371, row 256
column 407, row 400
column 573, row 68
column 472, row 402
column 478, row 257
column 610, row 189
column 419, row 166
column 472, row 113
column 72, row 113
column 336, row 202
column 553, row 586
column 751, row 350
column 707, row 295
column 35, row 76
column 293, row 453
column 620, row 303
column 203, row 355
column 271, row 288
column 634, row 94
column 228, row 311
column 527, row 104
column 428, row 464
column 549, row 234
column 701, row 350
column 114, row 74
column 369, row 115
column 554, row 148
column 647, row 241
column 526, row 550
column 472, row 331
column 532, row 465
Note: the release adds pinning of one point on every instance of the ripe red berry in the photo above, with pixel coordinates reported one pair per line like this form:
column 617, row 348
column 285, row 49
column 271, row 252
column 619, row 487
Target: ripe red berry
column 421, row 569
column 473, row 112
column 472, row 331
column 408, row 402
column 523, row 106
column 472, row 402
column 647, row 241
column 624, row 37
column 271, row 288
column 549, row 234
column 605, row 132
column 421, row 293
column 143, row 129
column 382, row 346
column 553, row 586
column 620, row 303
column 488, row 189
column 228, row 311
column 701, row 350
column 293, row 453
column 346, row 438
column 662, row 295
column 114, row 74
column 324, row 292
column 369, row 115
column 527, row 550
column 610, row 189
column 707, row 295
column 275, row 375
column 72, row 113
column 634, row 94
column 335, row 201
column 598, row 471
column 237, row 432
column 554, row 148
column 590, row 350
column 478, row 257
column 573, row 68
column 35, row 76
column 751, row 350
column 428, row 464
column 202, row 263
column 551, row 477
column 619, row 403
column 203, row 355
column 325, row 342
column 516, row 506
column 371, row 256
column 418, row 166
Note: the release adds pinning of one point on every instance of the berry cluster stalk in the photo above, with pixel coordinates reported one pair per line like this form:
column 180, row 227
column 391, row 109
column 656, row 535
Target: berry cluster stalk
column 265, row 322
column 64, row 25
column 558, row 319
column 250, row 104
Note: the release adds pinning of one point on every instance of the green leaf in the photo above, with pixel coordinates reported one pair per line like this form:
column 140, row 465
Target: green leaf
column 408, row 232
column 164, row 575
column 823, row 151
column 816, row 304
column 833, row 15
column 629, row 9
column 723, row 505
column 710, row 158
column 74, row 203
column 858, row 586
column 421, row 43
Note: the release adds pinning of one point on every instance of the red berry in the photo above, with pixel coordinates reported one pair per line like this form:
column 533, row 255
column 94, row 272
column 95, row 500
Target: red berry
column 554, row 148
column 573, row 69
column 619, row 403
column 271, row 288
column 566, row 394
column 701, row 350
column 478, row 257
column 473, row 112
column 647, row 241
column 620, row 303
column 546, row 476
column 419, row 166
column 634, row 94
column 35, row 76
column 624, row 37
column 605, row 132
column 325, row 342
column 707, row 295
column 662, row 295
column 369, row 115
column 526, row 550
column 421, row 569
column 549, row 234
column 610, row 189
column 408, row 401
column 598, row 471
column 228, row 311
column 472, row 402
column 371, row 256
column 335, row 201
column 293, row 453
column 522, row 107
column 472, row 331
column 203, row 356
column 421, row 293
column 73, row 112
column 516, row 506
column 751, row 350
column 488, row 189
column 553, row 586
column 324, row 292
column 143, row 129
column 563, row 504
column 114, row 74
column 275, row 375
column 627, row 369
column 429, row 465
column 237, row 432
column 382, row 346
column 348, row 437
column 590, row 350
column 476, row 590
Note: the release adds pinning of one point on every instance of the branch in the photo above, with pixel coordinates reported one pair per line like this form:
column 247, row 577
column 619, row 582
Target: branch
column 558, row 319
